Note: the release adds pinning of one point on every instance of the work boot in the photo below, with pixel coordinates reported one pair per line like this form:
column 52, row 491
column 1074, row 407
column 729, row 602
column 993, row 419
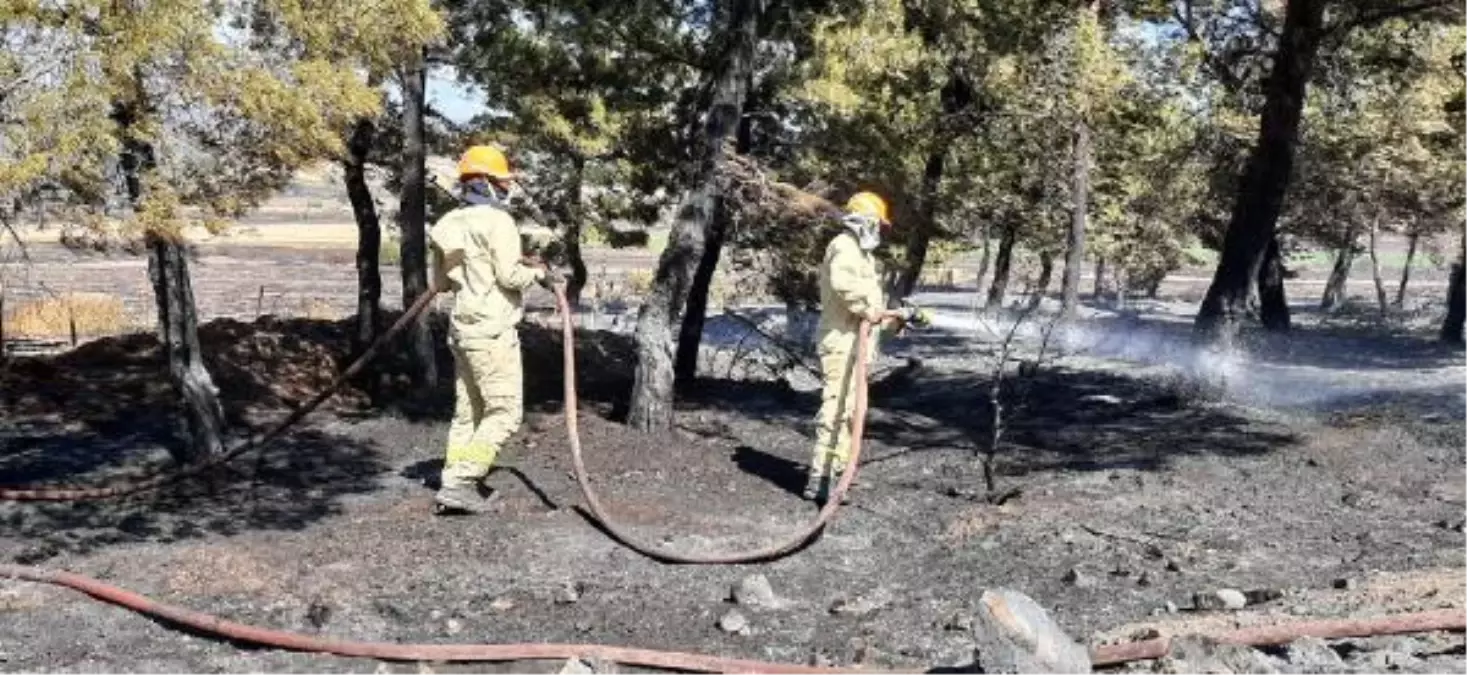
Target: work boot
column 461, row 499
column 814, row 487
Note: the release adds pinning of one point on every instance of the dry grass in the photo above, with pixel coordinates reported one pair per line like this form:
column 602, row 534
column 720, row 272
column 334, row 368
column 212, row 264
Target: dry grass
column 52, row 317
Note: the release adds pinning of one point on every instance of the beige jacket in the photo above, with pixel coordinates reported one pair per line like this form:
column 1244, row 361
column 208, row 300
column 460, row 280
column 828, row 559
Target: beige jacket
column 849, row 287
column 477, row 256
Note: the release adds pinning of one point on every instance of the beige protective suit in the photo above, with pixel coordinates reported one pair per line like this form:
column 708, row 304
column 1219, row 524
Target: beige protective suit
column 849, row 290
column 477, row 256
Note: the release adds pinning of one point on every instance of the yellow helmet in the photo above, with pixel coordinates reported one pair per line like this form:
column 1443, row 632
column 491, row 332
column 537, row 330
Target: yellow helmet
column 869, row 204
column 484, row 160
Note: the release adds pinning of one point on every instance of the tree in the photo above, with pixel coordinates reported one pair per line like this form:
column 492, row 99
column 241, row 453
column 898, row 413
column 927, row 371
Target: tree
column 1266, row 177
column 201, row 110
column 652, row 391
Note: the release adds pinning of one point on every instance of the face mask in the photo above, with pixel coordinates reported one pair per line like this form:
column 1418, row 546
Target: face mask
column 481, row 192
column 866, row 229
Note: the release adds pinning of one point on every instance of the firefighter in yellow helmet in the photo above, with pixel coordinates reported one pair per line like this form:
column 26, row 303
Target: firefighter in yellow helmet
column 477, row 257
column 850, row 291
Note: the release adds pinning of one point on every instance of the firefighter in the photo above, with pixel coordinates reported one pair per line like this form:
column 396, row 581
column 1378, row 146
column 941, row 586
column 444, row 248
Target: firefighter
column 850, row 291
column 477, row 256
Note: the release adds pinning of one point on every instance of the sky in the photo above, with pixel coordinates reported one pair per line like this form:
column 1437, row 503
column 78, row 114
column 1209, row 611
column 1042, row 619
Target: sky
column 459, row 103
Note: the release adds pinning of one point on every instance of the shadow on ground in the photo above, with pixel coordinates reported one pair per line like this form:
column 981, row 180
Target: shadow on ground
column 298, row 480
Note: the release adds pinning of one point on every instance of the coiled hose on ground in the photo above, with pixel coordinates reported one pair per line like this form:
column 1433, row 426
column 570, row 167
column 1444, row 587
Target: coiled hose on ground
column 1447, row 619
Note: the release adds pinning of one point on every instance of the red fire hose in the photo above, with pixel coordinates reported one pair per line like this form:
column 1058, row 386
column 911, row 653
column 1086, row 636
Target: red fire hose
column 775, row 550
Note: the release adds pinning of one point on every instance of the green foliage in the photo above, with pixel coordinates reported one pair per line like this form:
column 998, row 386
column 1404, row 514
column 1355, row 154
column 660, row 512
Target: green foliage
column 225, row 100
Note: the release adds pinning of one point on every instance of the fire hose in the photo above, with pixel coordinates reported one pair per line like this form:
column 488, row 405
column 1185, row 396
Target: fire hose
column 1103, row 655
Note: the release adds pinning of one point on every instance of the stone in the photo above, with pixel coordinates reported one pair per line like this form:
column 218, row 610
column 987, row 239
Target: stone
column 1077, row 578
column 1345, row 584
column 1227, row 598
column 501, row 604
column 1201, row 654
column 1172, row 608
column 734, row 622
column 569, row 593
column 754, row 592
column 454, row 627
column 1013, row 634
column 1313, row 655
column 863, row 604
column 576, row 667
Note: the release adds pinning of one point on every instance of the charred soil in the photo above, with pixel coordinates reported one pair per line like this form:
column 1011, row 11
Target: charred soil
column 1132, row 498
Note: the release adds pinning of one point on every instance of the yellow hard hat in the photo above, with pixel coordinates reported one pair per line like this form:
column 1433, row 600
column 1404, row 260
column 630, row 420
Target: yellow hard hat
column 484, row 160
column 869, row 204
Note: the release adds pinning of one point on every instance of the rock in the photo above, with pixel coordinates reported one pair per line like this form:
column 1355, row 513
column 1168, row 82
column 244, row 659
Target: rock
column 754, row 592
column 1227, row 598
column 1433, row 417
column 576, row 667
column 501, row 604
column 383, row 668
column 1014, row 634
column 1313, row 655
column 569, row 593
column 1171, row 607
column 454, row 627
column 317, row 614
column 1106, row 399
column 1345, row 584
column 734, row 622
column 1144, row 579
column 958, row 622
column 863, row 604
column 1172, row 565
column 1079, row 579
column 1262, row 595
column 1200, row 654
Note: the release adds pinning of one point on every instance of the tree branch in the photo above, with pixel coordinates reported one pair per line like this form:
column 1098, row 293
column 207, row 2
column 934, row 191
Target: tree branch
column 1365, row 19
column 1230, row 79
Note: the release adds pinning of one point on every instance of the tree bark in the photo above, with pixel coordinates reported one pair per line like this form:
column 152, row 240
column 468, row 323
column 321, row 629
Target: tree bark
column 956, row 96
column 202, row 421
column 1098, row 292
column 690, row 337
column 1456, row 302
column 1266, row 177
column 1339, row 275
column 1002, row 268
column 1075, row 240
column 577, row 214
column 1380, row 291
column 369, row 237
column 652, row 390
column 412, row 218
column 1046, row 274
column 985, row 261
column 1273, row 301
column 1406, row 269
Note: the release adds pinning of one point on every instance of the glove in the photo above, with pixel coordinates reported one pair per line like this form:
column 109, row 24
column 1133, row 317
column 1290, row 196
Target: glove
column 916, row 316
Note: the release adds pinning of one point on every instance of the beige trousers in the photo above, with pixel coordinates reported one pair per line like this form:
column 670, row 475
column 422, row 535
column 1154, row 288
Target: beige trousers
column 837, row 401
column 488, row 406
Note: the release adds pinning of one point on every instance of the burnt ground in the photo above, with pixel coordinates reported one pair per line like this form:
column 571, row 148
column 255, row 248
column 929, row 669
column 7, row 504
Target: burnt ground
column 1134, row 494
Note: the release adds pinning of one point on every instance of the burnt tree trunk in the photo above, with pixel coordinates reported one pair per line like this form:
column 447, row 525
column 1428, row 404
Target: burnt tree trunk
column 369, row 237
column 1041, row 286
column 1339, row 275
column 1003, row 266
column 1273, row 301
column 575, row 222
column 1266, row 177
column 652, row 390
column 1406, row 269
column 1098, row 291
column 202, row 421
column 1075, row 239
column 985, row 261
column 412, row 218
column 690, row 334
column 1456, row 302
column 956, row 96
column 1380, row 291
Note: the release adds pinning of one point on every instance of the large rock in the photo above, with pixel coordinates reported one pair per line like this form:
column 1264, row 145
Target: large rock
column 1013, row 634
column 754, row 592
